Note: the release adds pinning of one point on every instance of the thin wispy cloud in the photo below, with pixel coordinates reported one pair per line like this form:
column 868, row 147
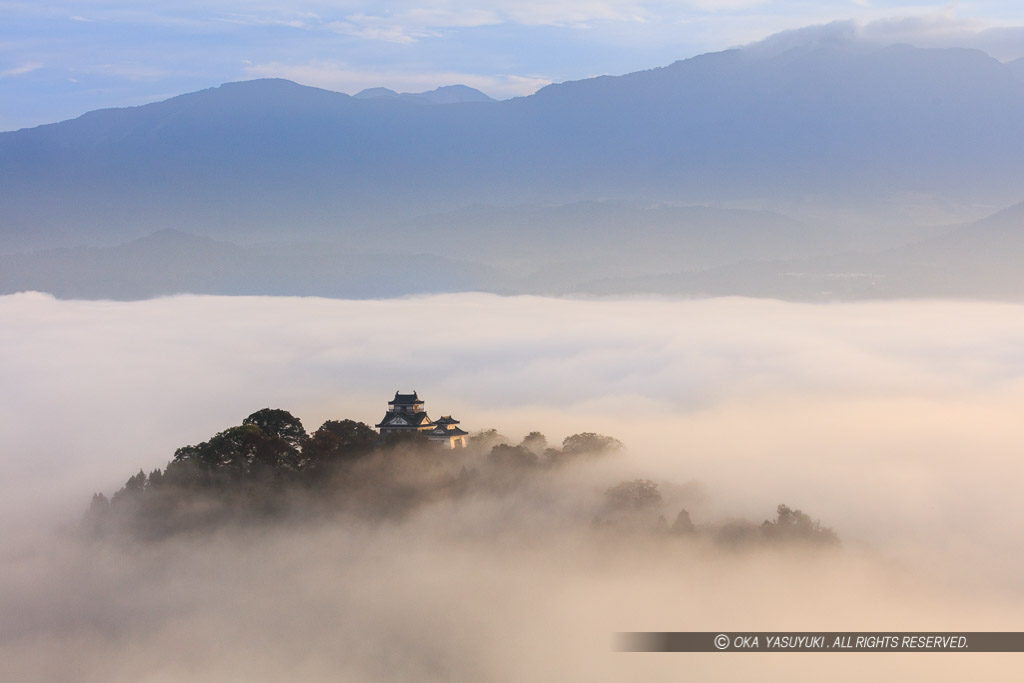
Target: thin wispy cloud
column 342, row 77
column 297, row 22
column 412, row 16
column 372, row 28
column 499, row 42
column 945, row 30
column 21, row 70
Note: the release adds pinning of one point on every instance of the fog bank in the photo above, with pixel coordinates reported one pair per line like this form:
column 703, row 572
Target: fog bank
column 897, row 424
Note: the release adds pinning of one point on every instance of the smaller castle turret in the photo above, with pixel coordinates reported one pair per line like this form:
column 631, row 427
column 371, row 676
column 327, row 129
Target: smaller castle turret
column 446, row 429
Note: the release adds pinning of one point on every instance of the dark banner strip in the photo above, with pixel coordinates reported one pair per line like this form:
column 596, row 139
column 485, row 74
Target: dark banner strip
column 819, row 641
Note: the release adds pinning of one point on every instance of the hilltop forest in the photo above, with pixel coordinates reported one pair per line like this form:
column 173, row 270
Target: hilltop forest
column 270, row 469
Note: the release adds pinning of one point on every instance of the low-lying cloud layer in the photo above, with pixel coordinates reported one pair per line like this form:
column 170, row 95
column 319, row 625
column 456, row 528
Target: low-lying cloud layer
column 897, row 424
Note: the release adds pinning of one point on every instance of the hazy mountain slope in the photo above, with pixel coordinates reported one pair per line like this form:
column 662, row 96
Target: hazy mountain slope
column 171, row 262
column 607, row 237
column 578, row 248
column 980, row 259
column 847, row 124
column 446, row 94
column 1017, row 68
column 261, row 156
column 517, row 249
column 830, row 121
column 985, row 255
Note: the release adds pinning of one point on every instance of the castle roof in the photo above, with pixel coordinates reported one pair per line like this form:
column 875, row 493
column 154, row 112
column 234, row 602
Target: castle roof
column 391, row 419
column 405, row 399
column 441, row 430
column 447, row 420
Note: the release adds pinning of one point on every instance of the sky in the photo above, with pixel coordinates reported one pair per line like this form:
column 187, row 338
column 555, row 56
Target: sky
column 62, row 58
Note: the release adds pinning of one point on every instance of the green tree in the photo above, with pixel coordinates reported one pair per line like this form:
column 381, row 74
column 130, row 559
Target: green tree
column 134, row 487
column 513, row 457
column 790, row 524
column 95, row 519
column 535, row 442
column 352, row 435
column 278, row 423
column 338, row 440
column 239, row 451
column 232, row 450
column 412, row 439
column 590, row 443
column 638, row 495
column 486, row 439
column 683, row 523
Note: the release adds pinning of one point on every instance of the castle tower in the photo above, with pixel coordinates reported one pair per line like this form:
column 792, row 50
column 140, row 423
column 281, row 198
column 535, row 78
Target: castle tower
column 407, row 414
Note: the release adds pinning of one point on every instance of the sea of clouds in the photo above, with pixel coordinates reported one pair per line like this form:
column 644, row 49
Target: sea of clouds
column 897, row 424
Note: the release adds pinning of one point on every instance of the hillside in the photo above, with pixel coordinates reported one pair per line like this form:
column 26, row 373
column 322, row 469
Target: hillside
column 976, row 260
column 173, row 262
column 845, row 126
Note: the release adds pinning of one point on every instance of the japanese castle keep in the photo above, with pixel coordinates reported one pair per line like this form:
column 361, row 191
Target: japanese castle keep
column 406, row 414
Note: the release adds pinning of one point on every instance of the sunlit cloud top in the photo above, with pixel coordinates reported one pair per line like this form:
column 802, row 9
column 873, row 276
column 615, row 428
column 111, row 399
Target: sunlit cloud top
column 60, row 59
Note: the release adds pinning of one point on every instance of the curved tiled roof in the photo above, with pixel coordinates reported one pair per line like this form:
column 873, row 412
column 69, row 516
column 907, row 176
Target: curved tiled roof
column 405, row 399
column 441, row 430
column 410, row 419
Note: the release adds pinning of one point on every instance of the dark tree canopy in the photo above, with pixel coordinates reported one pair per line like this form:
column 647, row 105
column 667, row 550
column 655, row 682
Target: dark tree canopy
column 535, row 442
column 486, row 439
column 683, row 523
column 242, row 450
column 638, row 494
column 414, row 438
column 278, row 423
column 350, row 433
column 338, row 440
column 792, row 524
column 589, row 442
column 518, row 457
column 268, row 468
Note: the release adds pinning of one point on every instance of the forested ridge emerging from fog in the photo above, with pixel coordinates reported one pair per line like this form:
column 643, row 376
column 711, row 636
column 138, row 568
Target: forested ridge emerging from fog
column 269, row 469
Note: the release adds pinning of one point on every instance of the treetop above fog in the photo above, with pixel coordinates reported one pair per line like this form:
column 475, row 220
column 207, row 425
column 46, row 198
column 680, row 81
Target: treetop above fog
column 269, row 468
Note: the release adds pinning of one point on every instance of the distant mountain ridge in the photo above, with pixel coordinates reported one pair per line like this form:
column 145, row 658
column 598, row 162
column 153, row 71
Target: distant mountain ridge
column 1017, row 68
column 851, row 125
column 174, row 262
column 975, row 260
column 689, row 251
column 446, row 94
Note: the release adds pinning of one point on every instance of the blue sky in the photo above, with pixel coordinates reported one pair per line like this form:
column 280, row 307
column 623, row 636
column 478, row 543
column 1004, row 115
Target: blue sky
column 61, row 58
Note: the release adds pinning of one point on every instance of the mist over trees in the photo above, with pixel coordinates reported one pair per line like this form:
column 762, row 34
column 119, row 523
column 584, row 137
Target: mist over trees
column 270, row 470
